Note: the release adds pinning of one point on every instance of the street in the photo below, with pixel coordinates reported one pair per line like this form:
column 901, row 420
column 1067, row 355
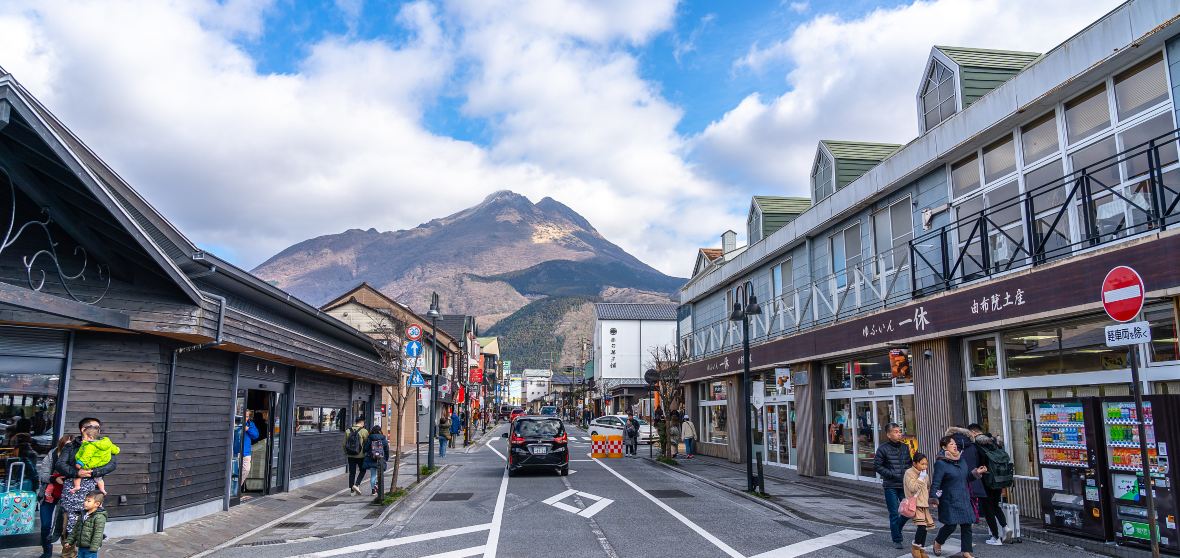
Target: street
column 609, row 507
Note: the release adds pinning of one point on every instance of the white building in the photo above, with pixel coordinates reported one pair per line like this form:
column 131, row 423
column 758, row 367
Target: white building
column 624, row 336
column 536, row 384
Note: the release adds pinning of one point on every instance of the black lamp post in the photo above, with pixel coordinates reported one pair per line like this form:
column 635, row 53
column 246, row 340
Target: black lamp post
column 744, row 306
column 433, row 314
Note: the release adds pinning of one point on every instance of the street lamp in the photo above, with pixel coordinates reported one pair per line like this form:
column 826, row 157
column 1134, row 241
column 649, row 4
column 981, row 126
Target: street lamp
column 742, row 312
column 433, row 314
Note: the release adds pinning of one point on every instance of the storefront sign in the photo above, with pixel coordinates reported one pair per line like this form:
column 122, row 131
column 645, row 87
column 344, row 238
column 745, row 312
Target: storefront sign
column 758, row 394
column 1055, row 287
column 477, row 375
column 1133, row 333
column 782, row 381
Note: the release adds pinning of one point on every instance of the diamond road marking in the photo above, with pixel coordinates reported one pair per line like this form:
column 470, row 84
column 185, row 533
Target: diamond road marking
column 599, row 504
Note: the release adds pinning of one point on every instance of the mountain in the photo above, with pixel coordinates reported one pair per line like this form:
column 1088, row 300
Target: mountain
column 504, row 255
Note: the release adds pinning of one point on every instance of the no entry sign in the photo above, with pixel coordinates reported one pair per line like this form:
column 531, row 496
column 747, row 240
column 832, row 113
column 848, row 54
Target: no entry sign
column 1122, row 294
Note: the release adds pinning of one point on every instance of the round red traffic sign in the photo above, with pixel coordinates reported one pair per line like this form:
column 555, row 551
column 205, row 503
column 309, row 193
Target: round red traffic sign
column 1122, row 294
column 413, row 332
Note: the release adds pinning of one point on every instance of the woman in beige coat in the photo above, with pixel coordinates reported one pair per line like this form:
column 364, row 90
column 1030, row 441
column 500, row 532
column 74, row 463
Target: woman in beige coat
column 917, row 486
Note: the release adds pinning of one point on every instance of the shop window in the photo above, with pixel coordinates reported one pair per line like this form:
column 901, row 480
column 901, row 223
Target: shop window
column 999, row 160
column 717, row 391
column 965, row 177
column 1141, row 86
column 321, row 419
column 1038, row 138
column 988, row 412
column 28, row 402
column 1163, row 347
column 307, row 419
column 1074, row 347
column 1086, row 114
column 840, row 459
column 839, row 375
column 982, row 358
column 716, row 427
column 1088, row 158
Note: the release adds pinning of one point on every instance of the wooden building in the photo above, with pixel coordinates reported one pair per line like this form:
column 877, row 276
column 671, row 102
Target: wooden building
column 107, row 310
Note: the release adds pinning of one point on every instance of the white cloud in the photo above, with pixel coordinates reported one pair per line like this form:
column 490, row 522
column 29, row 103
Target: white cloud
column 855, row 79
column 799, row 7
column 251, row 162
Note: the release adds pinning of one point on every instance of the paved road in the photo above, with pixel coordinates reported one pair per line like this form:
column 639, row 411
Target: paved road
column 612, row 508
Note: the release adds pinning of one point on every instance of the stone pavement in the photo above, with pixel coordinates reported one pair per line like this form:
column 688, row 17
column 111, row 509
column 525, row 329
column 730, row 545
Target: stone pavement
column 849, row 503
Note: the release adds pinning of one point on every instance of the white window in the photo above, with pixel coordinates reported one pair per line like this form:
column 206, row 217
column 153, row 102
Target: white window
column 781, row 280
column 893, row 228
column 754, row 226
column 938, row 95
column 823, row 182
column 845, row 253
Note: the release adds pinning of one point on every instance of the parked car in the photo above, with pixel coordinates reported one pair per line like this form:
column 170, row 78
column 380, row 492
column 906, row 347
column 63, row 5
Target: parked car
column 505, row 412
column 613, row 425
column 538, row 442
column 516, row 413
column 549, row 411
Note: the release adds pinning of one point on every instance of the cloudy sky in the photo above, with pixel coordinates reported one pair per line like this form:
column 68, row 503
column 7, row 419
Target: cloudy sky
column 254, row 124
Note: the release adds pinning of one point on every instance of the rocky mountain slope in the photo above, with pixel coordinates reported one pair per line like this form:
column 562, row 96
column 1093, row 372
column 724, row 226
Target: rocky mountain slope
column 503, row 256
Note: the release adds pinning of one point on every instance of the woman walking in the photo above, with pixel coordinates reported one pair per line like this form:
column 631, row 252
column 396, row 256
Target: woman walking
column 952, row 496
column 917, row 486
column 444, row 434
column 376, row 456
column 51, row 487
column 689, row 433
column 72, row 501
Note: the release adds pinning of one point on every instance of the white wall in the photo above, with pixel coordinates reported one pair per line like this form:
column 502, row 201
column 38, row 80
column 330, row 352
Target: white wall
column 632, row 342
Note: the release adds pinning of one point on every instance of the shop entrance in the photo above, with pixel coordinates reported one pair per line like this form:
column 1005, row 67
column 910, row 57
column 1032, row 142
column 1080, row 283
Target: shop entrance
column 857, row 427
column 780, row 433
column 261, row 472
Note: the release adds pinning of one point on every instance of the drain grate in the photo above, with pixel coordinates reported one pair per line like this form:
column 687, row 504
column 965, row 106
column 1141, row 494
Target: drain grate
column 452, row 496
column 267, row 542
column 294, row 525
column 671, row 493
column 374, row 514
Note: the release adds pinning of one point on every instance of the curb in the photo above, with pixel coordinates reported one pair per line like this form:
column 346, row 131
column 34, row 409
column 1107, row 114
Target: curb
column 389, row 509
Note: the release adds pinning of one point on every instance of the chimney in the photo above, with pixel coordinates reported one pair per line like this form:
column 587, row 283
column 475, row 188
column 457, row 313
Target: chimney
column 728, row 242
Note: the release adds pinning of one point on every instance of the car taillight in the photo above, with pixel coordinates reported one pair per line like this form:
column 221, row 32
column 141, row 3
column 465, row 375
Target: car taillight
column 561, row 439
column 516, row 439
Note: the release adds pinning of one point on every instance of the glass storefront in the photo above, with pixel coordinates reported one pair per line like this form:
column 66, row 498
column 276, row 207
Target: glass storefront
column 781, row 438
column 864, row 395
column 714, row 410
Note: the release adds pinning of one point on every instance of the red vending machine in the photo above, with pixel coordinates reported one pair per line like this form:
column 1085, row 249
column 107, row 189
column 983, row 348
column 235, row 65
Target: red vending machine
column 1071, row 458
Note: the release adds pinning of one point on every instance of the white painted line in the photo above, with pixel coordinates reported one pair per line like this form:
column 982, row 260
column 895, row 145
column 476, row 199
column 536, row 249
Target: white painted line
column 590, row 496
column 809, row 546
column 387, row 543
column 497, row 518
column 497, row 452
column 1131, row 291
column 595, row 507
column 566, row 507
column 688, row 522
column 558, row 497
column 461, row 553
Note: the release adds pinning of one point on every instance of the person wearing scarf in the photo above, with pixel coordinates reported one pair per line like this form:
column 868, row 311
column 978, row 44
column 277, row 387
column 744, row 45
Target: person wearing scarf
column 949, row 492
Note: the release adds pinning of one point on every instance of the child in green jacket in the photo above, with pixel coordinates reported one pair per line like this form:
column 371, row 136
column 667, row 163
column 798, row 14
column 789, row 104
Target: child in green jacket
column 92, row 455
column 87, row 533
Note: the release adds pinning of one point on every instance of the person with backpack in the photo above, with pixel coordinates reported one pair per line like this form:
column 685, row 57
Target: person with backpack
column 354, row 450
column 376, row 456
column 999, row 476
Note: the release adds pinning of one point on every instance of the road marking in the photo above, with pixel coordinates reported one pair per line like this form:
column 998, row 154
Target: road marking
column 497, row 517
column 688, row 522
column 461, row 553
column 809, row 546
column 377, row 545
column 560, row 496
column 599, row 503
column 497, row 452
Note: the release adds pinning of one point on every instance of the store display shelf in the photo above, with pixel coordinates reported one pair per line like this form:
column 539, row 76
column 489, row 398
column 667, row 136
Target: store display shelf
column 1061, row 425
column 1078, row 464
column 1128, row 444
column 1053, row 445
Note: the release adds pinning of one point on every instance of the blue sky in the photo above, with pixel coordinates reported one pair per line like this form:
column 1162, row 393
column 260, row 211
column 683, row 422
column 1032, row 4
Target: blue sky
column 654, row 119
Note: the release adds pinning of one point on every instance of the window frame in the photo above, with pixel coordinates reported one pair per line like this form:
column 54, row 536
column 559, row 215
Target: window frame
column 842, row 233
column 928, row 86
column 823, row 159
column 887, row 211
column 782, row 280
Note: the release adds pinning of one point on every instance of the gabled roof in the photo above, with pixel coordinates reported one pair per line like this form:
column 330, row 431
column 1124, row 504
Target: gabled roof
column 368, row 295
column 489, row 345
column 989, row 58
column 453, row 324
column 782, row 204
column 860, row 150
column 633, row 311
column 711, row 253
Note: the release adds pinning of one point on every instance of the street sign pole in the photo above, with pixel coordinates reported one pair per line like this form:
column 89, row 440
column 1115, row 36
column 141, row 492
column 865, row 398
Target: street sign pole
column 1153, row 528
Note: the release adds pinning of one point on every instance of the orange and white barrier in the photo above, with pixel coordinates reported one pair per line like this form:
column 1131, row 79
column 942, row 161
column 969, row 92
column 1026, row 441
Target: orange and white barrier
column 597, row 446
column 614, row 446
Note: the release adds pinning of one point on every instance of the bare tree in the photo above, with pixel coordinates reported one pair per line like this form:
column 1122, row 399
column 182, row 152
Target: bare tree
column 666, row 361
column 386, row 334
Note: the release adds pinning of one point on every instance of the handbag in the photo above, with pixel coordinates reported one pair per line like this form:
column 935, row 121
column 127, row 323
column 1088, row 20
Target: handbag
column 908, row 507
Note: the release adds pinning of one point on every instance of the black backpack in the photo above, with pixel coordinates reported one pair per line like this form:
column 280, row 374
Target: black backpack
column 1000, row 471
column 376, row 450
column 352, row 445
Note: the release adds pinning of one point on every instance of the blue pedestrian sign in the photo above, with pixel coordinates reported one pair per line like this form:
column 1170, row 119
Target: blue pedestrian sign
column 416, row 379
column 413, row 349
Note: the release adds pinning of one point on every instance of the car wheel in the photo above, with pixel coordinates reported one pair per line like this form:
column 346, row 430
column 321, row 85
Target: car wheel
column 565, row 471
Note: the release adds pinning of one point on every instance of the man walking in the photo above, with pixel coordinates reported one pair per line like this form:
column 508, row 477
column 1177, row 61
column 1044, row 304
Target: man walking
column 354, row 450
column 891, row 462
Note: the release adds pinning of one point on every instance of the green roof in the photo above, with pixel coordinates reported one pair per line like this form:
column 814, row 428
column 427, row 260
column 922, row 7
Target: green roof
column 989, row 58
column 860, row 150
column 782, row 204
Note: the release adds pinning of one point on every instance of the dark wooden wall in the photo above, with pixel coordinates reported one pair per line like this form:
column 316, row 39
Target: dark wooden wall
column 198, row 439
column 121, row 380
column 315, row 452
column 939, row 399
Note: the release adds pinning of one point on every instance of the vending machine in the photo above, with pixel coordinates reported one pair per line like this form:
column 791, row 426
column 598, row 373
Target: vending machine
column 1128, row 503
column 1074, row 491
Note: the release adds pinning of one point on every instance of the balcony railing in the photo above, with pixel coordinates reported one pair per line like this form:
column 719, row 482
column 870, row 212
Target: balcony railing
column 1090, row 207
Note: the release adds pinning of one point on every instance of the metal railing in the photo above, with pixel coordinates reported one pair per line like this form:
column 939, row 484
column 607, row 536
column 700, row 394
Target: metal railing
column 1090, row 207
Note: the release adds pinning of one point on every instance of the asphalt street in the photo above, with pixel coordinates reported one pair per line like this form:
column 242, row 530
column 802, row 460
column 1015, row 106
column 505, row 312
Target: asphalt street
column 612, row 508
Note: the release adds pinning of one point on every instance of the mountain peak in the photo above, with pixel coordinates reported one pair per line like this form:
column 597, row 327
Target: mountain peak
column 502, row 196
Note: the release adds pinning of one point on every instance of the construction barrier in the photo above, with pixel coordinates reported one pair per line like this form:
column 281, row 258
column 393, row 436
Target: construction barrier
column 597, row 446
column 614, row 446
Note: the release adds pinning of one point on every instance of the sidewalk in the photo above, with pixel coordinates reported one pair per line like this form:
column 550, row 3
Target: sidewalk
column 316, row 510
column 848, row 503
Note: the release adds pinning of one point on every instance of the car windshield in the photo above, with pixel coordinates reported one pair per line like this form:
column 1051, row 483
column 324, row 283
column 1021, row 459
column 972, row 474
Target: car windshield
column 539, row 428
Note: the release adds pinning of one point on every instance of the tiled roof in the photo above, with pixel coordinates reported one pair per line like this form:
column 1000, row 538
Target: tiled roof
column 989, row 58
column 860, row 150
column 630, row 311
column 782, row 204
column 452, row 324
column 712, row 253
